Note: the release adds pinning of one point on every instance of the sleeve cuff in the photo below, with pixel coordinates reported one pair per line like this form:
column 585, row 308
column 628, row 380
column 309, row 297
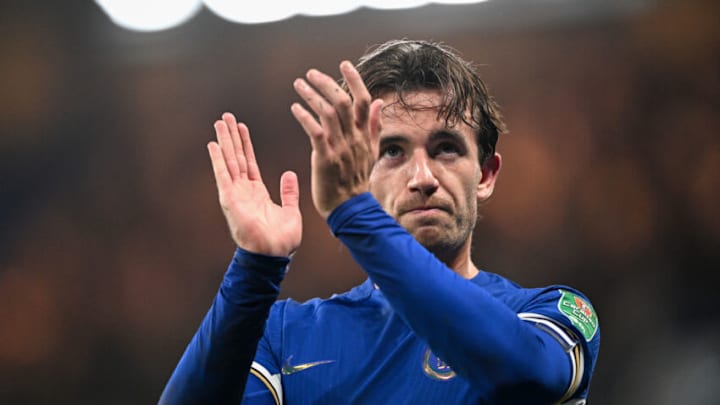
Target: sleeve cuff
column 259, row 264
column 348, row 209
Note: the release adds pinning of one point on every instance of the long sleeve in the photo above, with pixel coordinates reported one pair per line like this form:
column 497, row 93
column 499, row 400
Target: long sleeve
column 477, row 335
column 216, row 363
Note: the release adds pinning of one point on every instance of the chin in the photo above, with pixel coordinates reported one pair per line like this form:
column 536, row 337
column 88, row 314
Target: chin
column 432, row 239
column 443, row 251
column 439, row 241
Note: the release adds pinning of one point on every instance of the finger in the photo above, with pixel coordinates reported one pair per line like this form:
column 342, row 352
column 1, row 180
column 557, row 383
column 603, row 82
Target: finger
column 329, row 119
column 225, row 143
column 333, row 93
column 289, row 190
column 237, row 145
column 253, row 170
column 222, row 177
column 359, row 92
column 375, row 123
column 312, row 128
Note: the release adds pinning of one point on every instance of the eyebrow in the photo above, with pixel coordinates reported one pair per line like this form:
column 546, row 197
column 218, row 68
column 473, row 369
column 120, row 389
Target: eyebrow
column 392, row 139
column 448, row 134
column 443, row 134
column 434, row 138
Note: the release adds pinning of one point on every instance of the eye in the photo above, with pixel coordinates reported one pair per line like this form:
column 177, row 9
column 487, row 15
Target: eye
column 391, row 152
column 447, row 148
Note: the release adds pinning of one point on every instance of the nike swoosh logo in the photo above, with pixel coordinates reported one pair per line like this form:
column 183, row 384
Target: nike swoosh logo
column 287, row 369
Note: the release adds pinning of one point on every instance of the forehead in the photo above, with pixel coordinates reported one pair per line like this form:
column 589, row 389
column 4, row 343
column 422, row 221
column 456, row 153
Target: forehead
column 419, row 115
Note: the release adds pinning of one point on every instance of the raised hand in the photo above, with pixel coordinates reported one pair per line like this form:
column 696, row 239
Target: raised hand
column 344, row 141
column 256, row 223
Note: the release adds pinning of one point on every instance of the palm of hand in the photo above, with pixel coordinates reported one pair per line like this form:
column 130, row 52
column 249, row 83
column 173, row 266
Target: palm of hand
column 256, row 223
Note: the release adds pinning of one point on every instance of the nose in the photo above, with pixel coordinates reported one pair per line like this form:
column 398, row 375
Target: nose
column 422, row 179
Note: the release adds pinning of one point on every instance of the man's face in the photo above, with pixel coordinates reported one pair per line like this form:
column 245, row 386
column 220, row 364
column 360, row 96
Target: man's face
column 428, row 175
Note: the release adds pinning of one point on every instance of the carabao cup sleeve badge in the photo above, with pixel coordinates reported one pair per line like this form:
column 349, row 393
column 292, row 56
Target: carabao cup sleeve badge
column 580, row 313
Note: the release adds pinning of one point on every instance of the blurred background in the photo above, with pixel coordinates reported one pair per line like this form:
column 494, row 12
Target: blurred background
column 112, row 244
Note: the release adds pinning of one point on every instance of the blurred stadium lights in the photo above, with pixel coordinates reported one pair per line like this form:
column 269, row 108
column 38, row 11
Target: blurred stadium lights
column 253, row 12
column 394, row 5
column 157, row 15
column 323, row 8
column 458, row 1
column 150, row 15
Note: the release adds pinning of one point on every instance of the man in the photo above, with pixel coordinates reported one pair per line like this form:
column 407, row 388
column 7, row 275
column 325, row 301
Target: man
column 403, row 153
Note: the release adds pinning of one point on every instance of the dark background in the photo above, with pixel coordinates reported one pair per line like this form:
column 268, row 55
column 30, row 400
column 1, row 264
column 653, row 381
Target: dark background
column 112, row 244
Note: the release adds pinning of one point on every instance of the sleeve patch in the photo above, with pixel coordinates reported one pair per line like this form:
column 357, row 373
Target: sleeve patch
column 580, row 313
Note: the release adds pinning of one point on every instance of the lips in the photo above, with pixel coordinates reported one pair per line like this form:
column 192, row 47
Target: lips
column 424, row 208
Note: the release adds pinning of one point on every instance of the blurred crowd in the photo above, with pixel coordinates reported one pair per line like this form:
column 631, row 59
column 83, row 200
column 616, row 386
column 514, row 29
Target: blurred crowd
column 112, row 244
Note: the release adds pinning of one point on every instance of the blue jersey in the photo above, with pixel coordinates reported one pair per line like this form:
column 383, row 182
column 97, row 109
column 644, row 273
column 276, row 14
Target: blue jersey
column 414, row 332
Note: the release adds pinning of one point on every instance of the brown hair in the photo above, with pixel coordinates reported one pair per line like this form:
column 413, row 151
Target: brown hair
column 402, row 66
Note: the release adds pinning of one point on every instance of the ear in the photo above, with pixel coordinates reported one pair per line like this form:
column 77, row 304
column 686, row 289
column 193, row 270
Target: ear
column 490, row 170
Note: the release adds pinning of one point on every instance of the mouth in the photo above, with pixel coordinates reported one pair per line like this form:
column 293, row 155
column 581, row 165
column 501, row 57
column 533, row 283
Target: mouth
column 426, row 210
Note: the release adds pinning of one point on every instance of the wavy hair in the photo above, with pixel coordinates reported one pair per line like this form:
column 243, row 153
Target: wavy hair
column 403, row 66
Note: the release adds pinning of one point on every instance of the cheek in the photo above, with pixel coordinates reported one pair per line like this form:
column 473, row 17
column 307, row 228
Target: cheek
column 377, row 187
column 373, row 181
column 470, row 187
column 384, row 188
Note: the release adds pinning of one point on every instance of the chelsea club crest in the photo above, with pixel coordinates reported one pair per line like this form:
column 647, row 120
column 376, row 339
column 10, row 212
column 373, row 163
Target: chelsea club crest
column 436, row 368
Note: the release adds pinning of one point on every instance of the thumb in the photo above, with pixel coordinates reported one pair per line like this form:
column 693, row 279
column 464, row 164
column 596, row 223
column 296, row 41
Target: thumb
column 289, row 190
